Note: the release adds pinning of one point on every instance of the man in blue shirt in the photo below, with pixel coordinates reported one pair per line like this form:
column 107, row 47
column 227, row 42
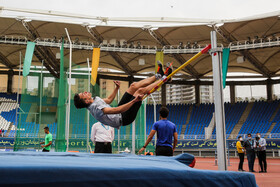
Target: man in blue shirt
column 166, row 130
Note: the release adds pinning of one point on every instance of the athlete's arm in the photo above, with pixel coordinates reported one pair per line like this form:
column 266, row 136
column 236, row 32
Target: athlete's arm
column 122, row 108
column 175, row 140
column 150, row 137
column 111, row 97
column 50, row 143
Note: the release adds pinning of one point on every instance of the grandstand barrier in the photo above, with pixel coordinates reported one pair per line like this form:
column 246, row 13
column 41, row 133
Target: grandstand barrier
column 182, row 144
column 229, row 136
column 181, row 137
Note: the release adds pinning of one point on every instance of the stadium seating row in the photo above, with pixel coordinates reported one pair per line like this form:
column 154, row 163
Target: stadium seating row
column 259, row 119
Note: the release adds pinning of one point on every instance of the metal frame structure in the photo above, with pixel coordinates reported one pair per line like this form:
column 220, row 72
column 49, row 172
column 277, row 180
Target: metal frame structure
column 67, row 129
column 219, row 103
column 166, row 49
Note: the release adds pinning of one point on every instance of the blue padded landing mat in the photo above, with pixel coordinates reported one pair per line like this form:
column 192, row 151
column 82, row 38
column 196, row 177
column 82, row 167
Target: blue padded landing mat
column 81, row 169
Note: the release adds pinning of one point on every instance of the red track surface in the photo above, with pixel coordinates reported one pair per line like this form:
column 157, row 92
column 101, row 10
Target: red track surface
column 269, row 179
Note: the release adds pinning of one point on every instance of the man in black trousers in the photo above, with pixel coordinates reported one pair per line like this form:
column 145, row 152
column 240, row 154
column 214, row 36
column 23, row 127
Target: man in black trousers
column 260, row 145
column 102, row 136
column 250, row 152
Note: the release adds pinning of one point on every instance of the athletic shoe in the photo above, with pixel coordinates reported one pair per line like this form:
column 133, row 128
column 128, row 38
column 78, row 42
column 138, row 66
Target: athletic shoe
column 158, row 76
column 160, row 68
column 168, row 70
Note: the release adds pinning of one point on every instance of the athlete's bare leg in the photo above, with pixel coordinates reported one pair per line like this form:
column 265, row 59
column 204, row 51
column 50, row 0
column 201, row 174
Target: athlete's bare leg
column 143, row 83
column 145, row 90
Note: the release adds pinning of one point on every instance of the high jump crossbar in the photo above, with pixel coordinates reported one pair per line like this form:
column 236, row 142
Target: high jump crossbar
column 203, row 51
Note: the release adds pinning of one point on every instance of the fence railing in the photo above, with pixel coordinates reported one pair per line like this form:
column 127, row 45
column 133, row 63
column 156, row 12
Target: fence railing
column 181, row 137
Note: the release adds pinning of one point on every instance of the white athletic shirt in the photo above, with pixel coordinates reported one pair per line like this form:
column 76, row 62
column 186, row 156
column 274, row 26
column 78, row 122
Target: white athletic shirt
column 102, row 133
column 113, row 120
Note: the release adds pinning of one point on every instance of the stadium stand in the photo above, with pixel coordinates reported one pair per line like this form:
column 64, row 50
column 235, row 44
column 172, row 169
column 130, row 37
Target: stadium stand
column 7, row 111
column 200, row 118
column 259, row 118
column 232, row 115
column 150, row 116
column 275, row 133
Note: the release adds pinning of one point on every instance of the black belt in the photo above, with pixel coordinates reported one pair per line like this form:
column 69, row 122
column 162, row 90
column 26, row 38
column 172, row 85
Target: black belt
column 104, row 143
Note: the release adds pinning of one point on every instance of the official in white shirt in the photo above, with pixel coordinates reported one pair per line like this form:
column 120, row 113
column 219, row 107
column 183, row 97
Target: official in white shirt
column 102, row 136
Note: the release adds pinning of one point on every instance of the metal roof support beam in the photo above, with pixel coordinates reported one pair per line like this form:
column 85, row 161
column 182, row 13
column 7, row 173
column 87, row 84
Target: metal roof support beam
column 96, row 36
column 41, row 56
column 122, row 63
column 43, row 53
column 5, row 61
column 252, row 59
column 163, row 42
column 10, row 81
column 269, row 90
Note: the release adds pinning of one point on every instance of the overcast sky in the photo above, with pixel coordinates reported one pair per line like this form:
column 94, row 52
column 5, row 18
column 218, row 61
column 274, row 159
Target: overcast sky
column 214, row 9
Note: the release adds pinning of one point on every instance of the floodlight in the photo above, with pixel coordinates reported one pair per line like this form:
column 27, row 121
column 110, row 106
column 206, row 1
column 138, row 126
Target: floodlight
column 118, row 43
column 257, row 40
column 195, row 45
column 123, row 43
column 180, row 45
column 188, row 46
column 248, row 40
column 131, row 45
column 139, row 45
column 274, row 37
column 76, row 40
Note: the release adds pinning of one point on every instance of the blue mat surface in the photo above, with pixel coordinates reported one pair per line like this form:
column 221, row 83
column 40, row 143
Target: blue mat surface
column 81, row 169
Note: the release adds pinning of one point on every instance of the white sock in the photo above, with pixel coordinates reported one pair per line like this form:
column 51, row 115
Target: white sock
column 158, row 76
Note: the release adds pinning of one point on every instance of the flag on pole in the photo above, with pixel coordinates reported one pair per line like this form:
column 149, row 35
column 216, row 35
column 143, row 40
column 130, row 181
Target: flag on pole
column 28, row 58
column 159, row 56
column 95, row 64
column 225, row 64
